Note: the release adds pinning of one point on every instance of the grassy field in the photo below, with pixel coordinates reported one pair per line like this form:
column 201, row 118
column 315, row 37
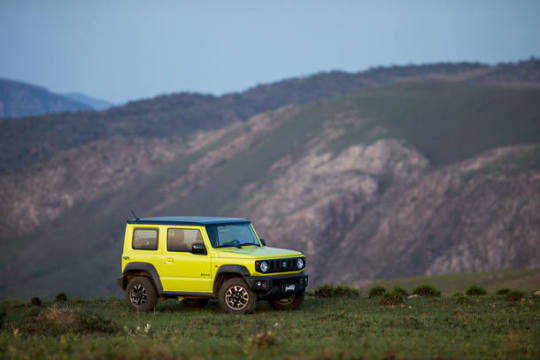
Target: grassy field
column 343, row 327
column 449, row 284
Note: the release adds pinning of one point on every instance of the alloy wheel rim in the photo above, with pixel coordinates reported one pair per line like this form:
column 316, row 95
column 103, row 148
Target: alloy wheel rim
column 138, row 295
column 236, row 297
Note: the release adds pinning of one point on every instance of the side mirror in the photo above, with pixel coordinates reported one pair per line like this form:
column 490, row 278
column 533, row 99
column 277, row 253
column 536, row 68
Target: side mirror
column 263, row 242
column 198, row 248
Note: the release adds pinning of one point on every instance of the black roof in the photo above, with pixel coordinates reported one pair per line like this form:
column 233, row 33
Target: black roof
column 187, row 220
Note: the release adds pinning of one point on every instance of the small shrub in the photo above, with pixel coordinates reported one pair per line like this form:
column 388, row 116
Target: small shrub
column 377, row 291
column 514, row 295
column 35, row 301
column 475, row 290
column 262, row 340
column 401, row 291
column 503, row 291
column 326, row 291
column 426, row 290
column 391, row 299
column 347, row 291
column 462, row 300
column 61, row 297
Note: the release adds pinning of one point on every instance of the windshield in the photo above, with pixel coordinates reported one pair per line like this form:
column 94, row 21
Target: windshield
column 231, row 235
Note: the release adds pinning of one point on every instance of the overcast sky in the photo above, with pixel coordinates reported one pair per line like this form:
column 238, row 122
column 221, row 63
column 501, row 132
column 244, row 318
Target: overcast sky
column 125, row 50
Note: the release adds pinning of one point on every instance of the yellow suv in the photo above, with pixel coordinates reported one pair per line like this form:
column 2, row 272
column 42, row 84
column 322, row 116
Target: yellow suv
column 195, row 259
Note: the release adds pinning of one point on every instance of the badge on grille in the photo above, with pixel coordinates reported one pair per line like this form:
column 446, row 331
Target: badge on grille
column 290, row 287
column 284, row 264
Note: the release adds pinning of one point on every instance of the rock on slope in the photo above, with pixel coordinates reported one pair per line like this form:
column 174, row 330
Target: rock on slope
column 455, row 219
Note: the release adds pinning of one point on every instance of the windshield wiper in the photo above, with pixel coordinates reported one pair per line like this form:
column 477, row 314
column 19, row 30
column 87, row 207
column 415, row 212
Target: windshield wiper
column 229, row 245
column 242, row 244
column 238, row 246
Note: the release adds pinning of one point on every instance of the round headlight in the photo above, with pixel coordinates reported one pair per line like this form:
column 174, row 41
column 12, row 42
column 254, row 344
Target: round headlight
column 264, row 266
column 300, row 263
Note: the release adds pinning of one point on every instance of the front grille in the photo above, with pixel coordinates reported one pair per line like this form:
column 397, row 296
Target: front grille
column 286, row 281
column 282, row 265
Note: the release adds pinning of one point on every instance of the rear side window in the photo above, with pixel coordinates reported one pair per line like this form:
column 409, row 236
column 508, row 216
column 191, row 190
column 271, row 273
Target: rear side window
column 145, row 239
column 182, row 239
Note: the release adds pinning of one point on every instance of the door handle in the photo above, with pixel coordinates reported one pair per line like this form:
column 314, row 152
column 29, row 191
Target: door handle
column 169, row 260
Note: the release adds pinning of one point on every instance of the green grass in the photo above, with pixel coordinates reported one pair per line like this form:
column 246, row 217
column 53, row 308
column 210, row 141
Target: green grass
column 331, row 328
column 521, row 279
column 525, row 160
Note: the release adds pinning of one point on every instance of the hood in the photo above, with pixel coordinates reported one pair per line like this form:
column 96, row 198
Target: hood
column 256, row 252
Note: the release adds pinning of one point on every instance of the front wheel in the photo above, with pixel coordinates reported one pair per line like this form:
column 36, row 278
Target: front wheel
column 141, row 294
column 287, row 303
column 235, row 297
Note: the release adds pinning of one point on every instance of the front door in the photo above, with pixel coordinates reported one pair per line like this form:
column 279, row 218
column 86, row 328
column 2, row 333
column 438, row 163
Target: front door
column 182, row 270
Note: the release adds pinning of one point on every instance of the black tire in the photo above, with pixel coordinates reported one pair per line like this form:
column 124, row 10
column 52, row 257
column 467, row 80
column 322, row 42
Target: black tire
column 141, row 295
column 287, row 303
column 195, row 303
column 235, row 297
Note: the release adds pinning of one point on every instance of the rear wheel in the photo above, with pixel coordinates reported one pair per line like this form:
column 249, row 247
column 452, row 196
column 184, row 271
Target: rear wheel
column 195, row 303
column 141, row 294
column 288, row 303
column 235, row 297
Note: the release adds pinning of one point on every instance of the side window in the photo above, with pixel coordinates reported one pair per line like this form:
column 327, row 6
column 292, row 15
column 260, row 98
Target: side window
column 182, row 239
column 145, row 239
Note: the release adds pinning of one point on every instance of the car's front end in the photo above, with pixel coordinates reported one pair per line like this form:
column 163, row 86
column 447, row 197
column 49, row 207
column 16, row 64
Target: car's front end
column 269, row 272
column 277, row 277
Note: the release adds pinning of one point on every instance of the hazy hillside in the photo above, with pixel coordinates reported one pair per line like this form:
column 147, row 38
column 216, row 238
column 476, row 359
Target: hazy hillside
column 18, row 99
column 93, row 103
column 408, row 178
column 34, row 139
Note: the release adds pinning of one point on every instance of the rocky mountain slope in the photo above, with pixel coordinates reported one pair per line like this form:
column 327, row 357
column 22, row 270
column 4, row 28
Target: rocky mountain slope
column 18, row 99
column 407, row 178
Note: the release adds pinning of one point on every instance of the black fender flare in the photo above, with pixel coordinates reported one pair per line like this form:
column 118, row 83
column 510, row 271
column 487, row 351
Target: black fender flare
column 239, row 270
column 142, row 266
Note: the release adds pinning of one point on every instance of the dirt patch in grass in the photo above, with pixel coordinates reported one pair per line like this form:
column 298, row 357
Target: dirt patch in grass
column 58, row 321
column 392, row 299
column 262, row 340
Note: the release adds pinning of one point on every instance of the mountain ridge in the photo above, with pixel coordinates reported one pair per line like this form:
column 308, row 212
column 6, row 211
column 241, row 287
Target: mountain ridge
column 185, row 113
column 19, row 99
column 93, row 103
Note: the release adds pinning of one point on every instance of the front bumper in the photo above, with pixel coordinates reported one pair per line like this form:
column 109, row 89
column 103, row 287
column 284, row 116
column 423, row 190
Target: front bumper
column 277, row 285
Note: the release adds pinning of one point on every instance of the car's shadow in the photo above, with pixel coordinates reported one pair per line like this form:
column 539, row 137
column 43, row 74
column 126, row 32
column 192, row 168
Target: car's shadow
column 173, row 306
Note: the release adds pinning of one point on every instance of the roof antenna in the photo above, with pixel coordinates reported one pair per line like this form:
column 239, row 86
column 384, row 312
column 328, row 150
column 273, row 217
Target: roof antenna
column 133, row 213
